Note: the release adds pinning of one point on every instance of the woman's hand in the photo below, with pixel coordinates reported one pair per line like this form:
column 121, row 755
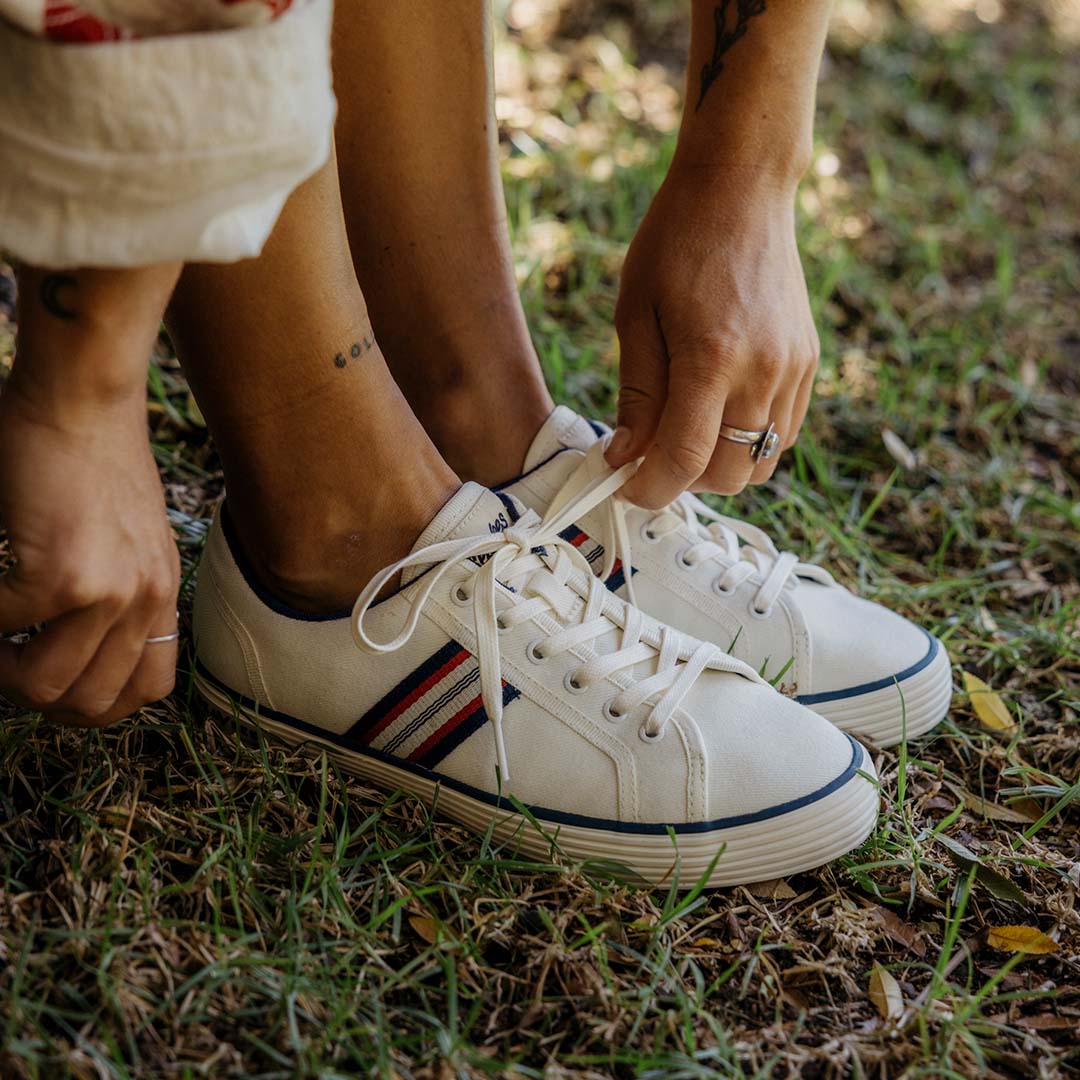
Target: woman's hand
column 714, row 326
column 96, row 566
column 96, row 562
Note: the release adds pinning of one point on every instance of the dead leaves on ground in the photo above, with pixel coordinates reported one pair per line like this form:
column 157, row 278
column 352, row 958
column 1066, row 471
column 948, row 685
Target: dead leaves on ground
column 1022, row 939
column 884, row 991
column 992, row 712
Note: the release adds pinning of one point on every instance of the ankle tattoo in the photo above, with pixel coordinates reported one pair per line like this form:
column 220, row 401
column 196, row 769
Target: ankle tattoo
column 356, row 350
column 52, row 285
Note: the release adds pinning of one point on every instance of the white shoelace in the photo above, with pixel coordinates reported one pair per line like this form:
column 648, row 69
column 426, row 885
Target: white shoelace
column 742, row 550
column 546, row 573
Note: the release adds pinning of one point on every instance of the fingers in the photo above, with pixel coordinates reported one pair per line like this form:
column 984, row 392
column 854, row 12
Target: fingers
column 732, row 464
column 95, row 691
column 152, row 679
column 686, row 435
column 800, row 406
column 88, row 668
column 39, row 672
column 789, row 412
column 643, row 376
column 783, row 407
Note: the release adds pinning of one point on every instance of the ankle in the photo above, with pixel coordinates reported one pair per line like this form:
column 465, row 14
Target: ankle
column 483, row 429
column 318, row 559
column 472, row 378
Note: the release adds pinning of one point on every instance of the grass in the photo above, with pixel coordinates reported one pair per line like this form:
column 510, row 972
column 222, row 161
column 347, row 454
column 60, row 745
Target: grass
column 181, row 899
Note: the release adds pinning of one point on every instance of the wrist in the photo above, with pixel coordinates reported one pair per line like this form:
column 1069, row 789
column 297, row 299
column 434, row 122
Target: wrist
column 779, row 168
column 85, row 336
column 733, row 184
column 75, row 411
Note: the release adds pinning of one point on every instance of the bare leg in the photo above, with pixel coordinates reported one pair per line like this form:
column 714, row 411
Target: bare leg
column 427, row 225
column 329, row 474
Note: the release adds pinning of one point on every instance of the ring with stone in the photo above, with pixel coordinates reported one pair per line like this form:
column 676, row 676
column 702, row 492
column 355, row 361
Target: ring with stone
column 762, row 444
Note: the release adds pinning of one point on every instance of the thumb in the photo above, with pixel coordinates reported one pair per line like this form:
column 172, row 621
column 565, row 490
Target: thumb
column 643, row 368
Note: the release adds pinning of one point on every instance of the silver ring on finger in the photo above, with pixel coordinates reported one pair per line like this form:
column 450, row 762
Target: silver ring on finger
column 762, row 444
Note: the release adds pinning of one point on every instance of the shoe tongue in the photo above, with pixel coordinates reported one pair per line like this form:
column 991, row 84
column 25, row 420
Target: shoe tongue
column 564, row 429
column 473, row 510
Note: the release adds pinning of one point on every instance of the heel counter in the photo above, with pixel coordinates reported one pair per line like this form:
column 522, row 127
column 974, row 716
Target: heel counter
column 223, row 647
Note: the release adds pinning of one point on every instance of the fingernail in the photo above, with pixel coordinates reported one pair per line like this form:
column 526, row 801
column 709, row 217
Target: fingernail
column 620, row 441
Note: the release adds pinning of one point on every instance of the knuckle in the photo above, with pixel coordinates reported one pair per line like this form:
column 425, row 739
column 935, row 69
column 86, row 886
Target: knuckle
column 42, row 694
column 633, row 398
column 73, row 589
column 722, row 483
column 159, row 590
column 714, row 356
column 685, row 461
column 770, row 366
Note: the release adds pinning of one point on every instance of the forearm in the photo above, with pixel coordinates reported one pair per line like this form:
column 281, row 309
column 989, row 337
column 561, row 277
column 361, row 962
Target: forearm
column 85, row 335
column 751, row 79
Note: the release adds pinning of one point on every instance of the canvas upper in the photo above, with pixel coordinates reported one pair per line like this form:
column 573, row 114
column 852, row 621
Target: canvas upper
column 503, row 670
column 867, row 668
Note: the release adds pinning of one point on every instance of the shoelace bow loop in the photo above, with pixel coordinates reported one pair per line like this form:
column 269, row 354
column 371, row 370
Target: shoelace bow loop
column 554, row 576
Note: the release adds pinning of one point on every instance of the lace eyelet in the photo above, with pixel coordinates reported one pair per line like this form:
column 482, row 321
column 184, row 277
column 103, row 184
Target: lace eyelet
column 682, row 560
column 649, row 536
column 643, row 734
column 572, row 685
column 532, row 651
column 460, row 595
column 721, row 590
column 758, row 613
column 610, row 714
column 500, row 625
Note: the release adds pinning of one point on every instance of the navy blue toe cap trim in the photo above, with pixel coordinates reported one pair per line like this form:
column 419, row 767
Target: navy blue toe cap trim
column 877, row 684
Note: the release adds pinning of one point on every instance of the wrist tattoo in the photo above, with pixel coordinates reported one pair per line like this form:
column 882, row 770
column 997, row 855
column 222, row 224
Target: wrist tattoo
column 52, row 285
column 356, row 350
column 726, row 36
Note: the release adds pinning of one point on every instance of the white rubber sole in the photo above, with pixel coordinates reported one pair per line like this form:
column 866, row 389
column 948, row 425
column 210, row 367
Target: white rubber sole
column 912, row 706
column 802, row 838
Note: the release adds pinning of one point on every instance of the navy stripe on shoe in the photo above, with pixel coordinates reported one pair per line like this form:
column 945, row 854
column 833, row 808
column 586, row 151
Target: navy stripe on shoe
column 395, row 701
column 472, row 675
column 616, row 579
column 557, row 817
column 456, row 731
column 877, row 684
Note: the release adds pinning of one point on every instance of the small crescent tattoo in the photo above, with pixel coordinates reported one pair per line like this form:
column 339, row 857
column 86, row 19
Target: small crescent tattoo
column 51, row 287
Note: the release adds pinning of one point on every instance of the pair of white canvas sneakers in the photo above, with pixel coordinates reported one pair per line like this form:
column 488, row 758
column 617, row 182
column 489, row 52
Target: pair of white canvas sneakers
column 583, row 676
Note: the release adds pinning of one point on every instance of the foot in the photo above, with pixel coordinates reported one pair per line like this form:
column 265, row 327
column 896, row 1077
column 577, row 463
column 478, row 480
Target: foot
column 504, row 667
column 865, row 668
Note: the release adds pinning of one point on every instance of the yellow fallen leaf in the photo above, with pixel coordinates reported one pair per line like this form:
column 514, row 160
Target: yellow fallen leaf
column 707, row 943
column 885, row 993
column 1020, row 939
column 989, row 708
column 426, row 927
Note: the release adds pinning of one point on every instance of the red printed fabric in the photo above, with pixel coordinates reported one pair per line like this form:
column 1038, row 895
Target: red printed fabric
column 92, row 21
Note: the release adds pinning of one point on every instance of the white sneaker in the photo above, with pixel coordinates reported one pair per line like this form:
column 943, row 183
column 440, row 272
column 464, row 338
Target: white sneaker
column 625, row 740
column 865, row 668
